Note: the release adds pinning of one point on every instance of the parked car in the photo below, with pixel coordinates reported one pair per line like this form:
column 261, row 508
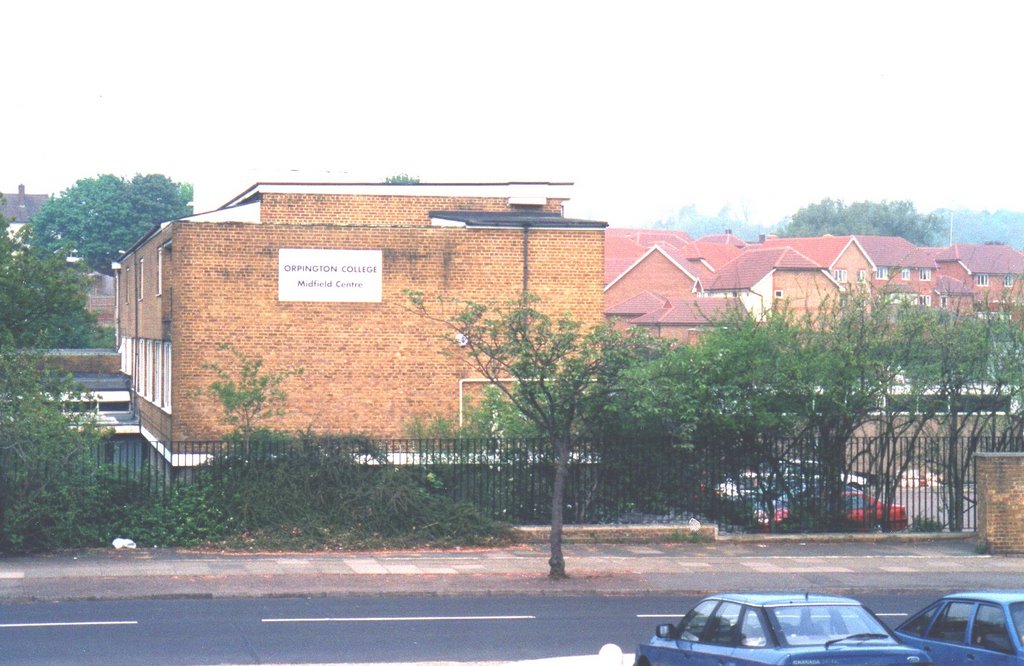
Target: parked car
column 861, row 512
column 747, row 629
column 979, row 628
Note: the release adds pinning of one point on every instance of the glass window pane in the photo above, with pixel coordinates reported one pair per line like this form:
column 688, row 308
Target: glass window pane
column 952, row 623
column 693, row 624
column 989, row 629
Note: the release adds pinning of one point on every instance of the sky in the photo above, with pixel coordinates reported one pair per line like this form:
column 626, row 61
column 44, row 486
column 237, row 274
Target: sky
column 765, row 107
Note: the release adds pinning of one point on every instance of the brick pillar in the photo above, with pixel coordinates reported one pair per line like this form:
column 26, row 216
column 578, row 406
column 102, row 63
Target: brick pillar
column 1000, row 492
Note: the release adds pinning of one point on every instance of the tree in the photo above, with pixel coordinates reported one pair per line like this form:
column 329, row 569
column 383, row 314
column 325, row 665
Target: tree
column 550, row 370
column 250, row 395
column 44, row 448
column 42, row 296
column 401, row 179
column 887, row 218
column 97, row 218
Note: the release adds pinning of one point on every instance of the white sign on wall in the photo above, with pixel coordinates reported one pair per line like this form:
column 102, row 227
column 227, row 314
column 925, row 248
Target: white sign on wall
column 329, row 276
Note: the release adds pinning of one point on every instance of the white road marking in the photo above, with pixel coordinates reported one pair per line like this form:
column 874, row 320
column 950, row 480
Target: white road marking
column 66, row 624
column 892, row 614
column 655, row 616
column 428, row 618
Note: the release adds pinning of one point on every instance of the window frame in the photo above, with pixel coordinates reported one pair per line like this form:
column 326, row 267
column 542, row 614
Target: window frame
column 981, row 279
column 925, row 275
column 882, row 273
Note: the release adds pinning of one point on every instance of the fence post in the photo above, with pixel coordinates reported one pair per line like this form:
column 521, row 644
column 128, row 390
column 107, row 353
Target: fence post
column 999, row 486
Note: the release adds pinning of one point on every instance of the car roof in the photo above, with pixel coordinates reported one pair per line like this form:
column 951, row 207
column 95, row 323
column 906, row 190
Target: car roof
column 1000, row 597
column 765, row 599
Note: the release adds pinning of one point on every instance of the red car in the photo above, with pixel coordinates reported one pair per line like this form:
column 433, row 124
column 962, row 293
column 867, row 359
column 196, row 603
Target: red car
column 862, row 513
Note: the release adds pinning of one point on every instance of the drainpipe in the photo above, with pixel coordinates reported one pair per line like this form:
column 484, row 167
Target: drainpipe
column 526, row 260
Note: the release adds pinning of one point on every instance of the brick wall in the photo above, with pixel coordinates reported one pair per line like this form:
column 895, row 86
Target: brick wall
column 656, row 273
column 368, row 367
column 1000, row 484
column 365, row 209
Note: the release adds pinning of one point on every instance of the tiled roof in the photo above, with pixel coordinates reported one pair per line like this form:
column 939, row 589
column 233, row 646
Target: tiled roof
column 985, row 258
column 642, row 303
column 679, row 311
column 893, row 251
column 620, row 252
column 715, row 254
column 693, row 266
column 948, row 286
column 649, row 237
column 823, row 250
column 724, row 239
column 749, row 268
column 21, row 206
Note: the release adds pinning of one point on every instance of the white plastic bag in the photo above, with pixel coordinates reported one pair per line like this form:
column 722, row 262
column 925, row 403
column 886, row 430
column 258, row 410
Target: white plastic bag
column 123, row 543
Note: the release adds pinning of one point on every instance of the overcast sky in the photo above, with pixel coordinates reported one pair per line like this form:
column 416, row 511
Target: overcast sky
column 646, row 106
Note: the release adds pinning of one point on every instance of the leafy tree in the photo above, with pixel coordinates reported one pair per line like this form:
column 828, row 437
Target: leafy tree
column 45, row 450
column 249, row 395
column 887, row 218
column 42, row 296
column 99, row 217
column 558, row 370
column 401, row 179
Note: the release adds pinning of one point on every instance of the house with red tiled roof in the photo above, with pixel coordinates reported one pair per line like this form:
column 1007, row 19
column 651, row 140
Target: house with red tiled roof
column 843, row 257
column 686, row 319
column 661, row 269
column 726, row 238
column 761, row 277
column 994, row 271
column 902, row 267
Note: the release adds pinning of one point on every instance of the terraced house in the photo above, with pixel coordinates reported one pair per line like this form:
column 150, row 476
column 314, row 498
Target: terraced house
column 315, row 276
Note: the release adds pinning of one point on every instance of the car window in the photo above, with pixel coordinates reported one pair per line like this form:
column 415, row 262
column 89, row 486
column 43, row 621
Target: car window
column 816, row 625
column 917, row 625
column 1017, row 615
column 951, row 625
column 693, row 623
column 723, row 629
column 989, row 629
column 752, row 632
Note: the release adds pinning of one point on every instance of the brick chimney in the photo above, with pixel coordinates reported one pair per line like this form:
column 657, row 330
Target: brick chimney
column 21, row 196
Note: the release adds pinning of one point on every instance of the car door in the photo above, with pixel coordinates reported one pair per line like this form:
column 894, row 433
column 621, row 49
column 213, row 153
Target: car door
column 721, row 636
column 685, row 648
column 946, row 640
column 990, row 641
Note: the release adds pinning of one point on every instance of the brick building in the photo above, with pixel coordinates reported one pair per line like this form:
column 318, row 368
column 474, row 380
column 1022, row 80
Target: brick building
column 315, row 276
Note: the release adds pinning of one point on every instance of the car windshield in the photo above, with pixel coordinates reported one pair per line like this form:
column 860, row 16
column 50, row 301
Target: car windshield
column 1017, row 613
column 819, row 624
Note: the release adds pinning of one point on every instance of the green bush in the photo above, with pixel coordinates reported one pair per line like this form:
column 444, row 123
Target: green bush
column 924, row 524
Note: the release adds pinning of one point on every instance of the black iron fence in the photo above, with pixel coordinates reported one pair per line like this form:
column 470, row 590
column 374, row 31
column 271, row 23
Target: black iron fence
column 799, row 485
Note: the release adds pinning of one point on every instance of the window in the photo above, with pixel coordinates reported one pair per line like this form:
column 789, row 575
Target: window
column 692, row 625
column 723, row 628
column 882, row 273
column 840, row 275
column 924, row 300
column 925, row 274
column 158, row 375
column 952, row 623
column 981, row 279
column 142, row 274
column 989, row 629
column 862, row 275
column 943, row 302
column 905, row 274
column 779, row 293
column 1008, row 281
column 167, row 375
column 752, row 633
column 917, row 625
column 159, row 271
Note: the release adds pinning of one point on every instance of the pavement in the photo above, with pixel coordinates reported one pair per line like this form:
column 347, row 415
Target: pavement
column 843, row 565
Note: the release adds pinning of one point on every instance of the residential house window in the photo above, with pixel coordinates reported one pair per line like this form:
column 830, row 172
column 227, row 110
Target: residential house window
column 142, row 275
column 905, row 274
column 127, row 347
column 158, row 375
column 924, row 300
column 943, row 302
column 981, row 279
column 882, row 273
column 862, row 275
column 926, row 275
column 1008, row 281
column 840, row 274
column 779, row 293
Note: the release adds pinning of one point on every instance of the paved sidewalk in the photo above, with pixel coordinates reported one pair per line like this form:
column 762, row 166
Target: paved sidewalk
column 846, row 566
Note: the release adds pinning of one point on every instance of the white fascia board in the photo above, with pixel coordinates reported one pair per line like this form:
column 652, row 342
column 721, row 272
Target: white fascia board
column 442, row 222
column 249, row 213
column 539, row 191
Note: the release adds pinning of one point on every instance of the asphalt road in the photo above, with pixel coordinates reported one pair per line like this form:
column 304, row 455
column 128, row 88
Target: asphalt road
column 353, row 629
